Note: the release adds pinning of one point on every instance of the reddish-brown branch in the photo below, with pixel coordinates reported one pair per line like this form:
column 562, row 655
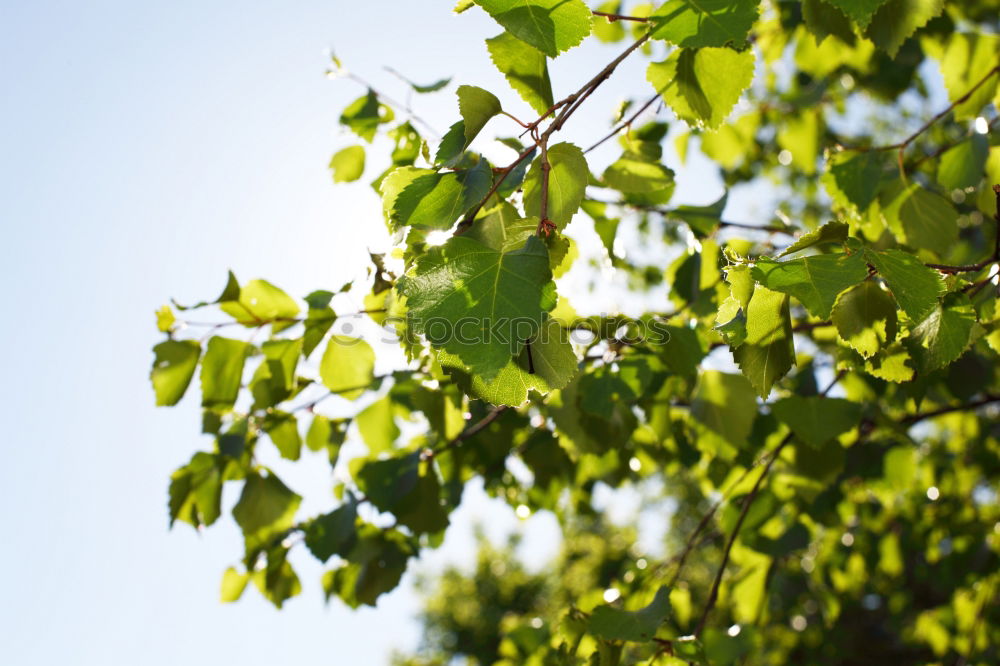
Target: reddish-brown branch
column 622, row 17
column 568, row 105
column 902, row 145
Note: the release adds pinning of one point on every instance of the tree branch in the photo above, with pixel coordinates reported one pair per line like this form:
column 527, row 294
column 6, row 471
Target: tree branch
column 569, row 104
column 471, row 431
column 714, row 594
column 995, row 257
column 626, row 123
column 622, row 17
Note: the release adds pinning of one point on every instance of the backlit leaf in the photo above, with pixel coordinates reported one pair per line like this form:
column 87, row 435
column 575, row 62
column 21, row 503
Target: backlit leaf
column 767, row 354
column 702, row 85
column 865, row 317
column 437, row 200
column 815, row 281
column 695, row 23
column 348, row 164
column 173, row 368
column 551, row 26
column 266, row 508
column 347, row 366
column 915, row 287
column 815, row 419
column 222, row 371
column 525, row 69
column 477, row 302
column 613, row 624
column 567, row 184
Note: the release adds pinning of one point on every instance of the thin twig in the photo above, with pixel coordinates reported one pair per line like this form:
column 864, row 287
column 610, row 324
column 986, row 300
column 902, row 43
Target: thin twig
column 714, row 594
column 625, row 123
column 930, row 414
column 995, row 257
column 902, row 145
column 622, row 17
column 471, row 431
column 567, row 106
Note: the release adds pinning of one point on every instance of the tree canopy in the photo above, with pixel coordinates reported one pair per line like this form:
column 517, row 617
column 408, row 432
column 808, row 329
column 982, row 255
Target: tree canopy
column 808, row 403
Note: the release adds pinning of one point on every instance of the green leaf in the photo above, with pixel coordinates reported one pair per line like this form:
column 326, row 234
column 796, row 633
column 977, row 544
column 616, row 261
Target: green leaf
column 633, row 173
column 815, row 419
column 725, row 404
column 944, row 334
column 347, row 367
column 915, row 286
column 824, row 20
column 767, row 354
column 613, row 624
column 283, row 429
column 317, row 324
column 920, row 218
column 852, row 178
column 800, row 135
column 695, row 23
column 605, row 29
column 896, row 20
column 966, row 60
column 393, row 184
column 407, row 144
column 477, row 106
column 893, row 364
column 377, row 563
column 333, row 533
column 274, row 380
column 525, row 69
column 233, row 584
column 502, row 228
column 815, row 281
column 406, row 488
column 605, row 387
column 702, row 219
column 165, row 319
column 266, row 508
column 436, row 200
column 260, row 302
column 377, row 425
column 476, row 302
column 553, row 361
column 429, row 88
column 277, row 582
column 831, row 232
column 222, row 371
column 365, row 114
column 348, row 164
column 702, row 85
column 173, row 368
column 551, row 26
column 683, row 350
column 861, row 11
column 567, row 184
column 962, row 166
column 865, row 317
column 196, row 491
column 326, row 434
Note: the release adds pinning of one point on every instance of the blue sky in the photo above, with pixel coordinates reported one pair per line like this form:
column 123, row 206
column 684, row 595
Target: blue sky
column 148, row 147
